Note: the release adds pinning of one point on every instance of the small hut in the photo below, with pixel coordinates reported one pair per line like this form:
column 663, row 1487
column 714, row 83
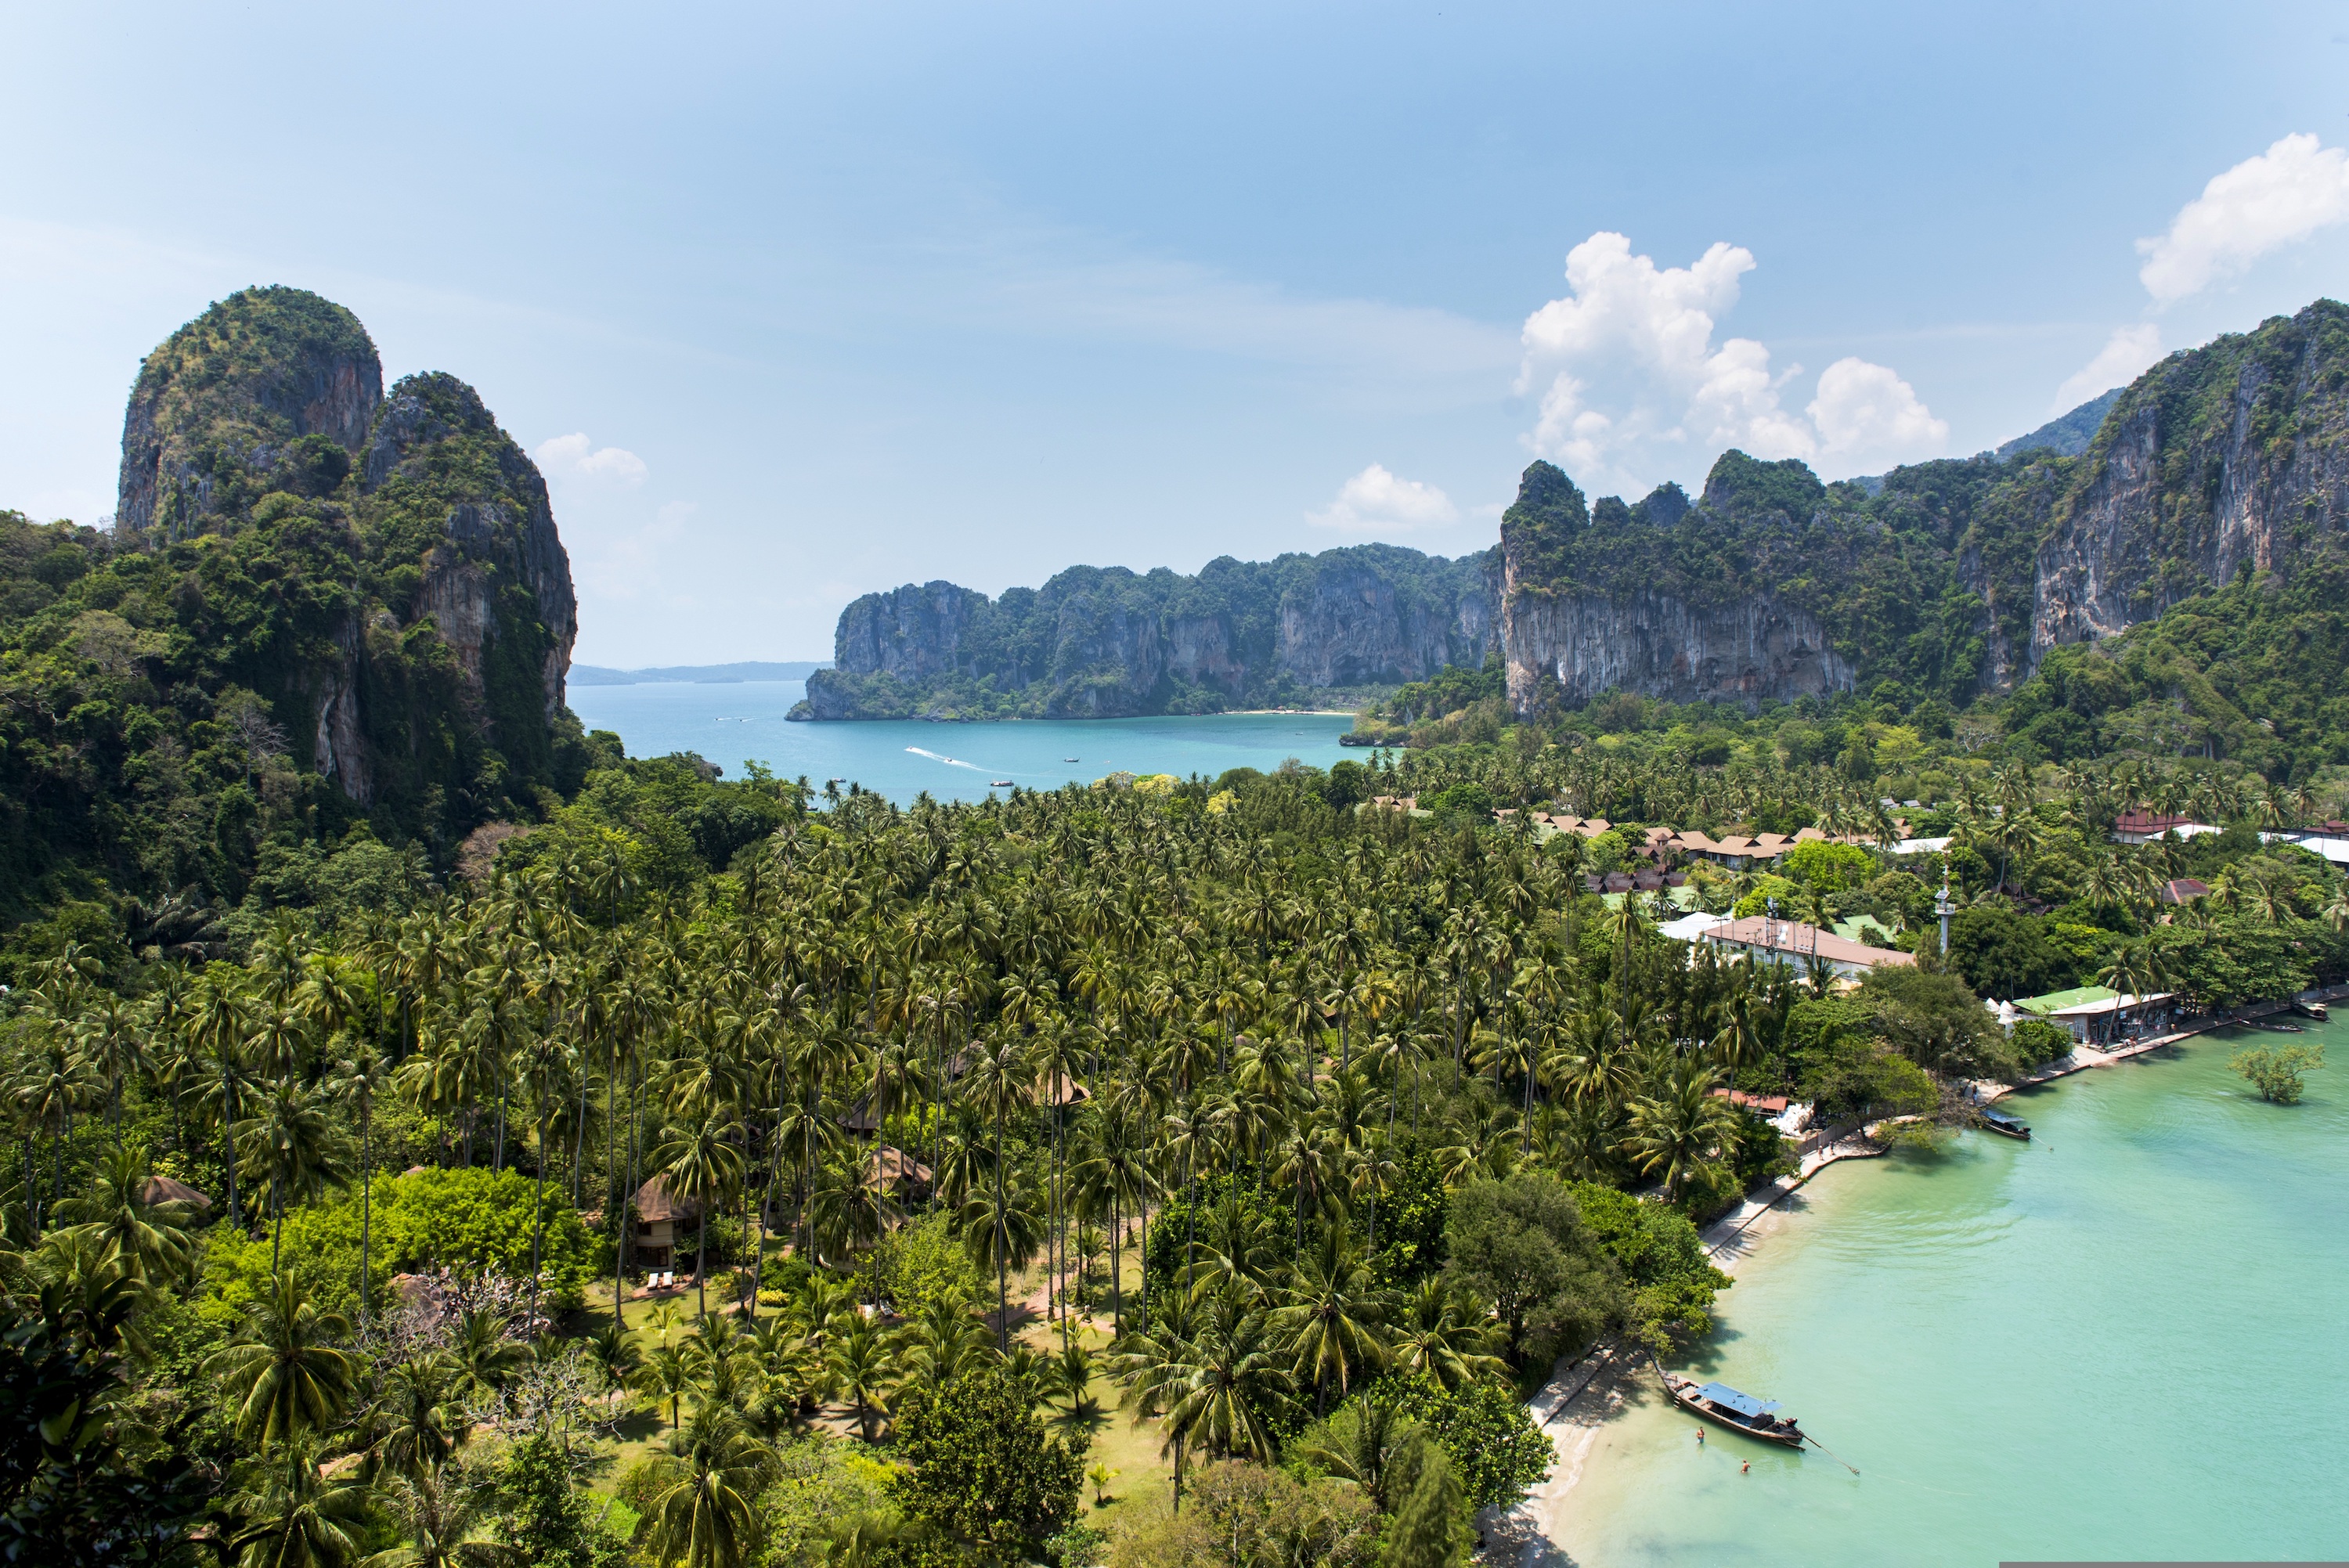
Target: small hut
column 662, row 1219
column 165, row 1190
column 901, row 1173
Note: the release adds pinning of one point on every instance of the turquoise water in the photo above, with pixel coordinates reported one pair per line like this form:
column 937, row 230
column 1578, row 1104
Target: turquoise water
column 733, row 724
column 2124, row 1339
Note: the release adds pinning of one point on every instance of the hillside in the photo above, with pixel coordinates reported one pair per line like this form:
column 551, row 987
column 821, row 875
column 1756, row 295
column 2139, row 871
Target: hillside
column 323, row 609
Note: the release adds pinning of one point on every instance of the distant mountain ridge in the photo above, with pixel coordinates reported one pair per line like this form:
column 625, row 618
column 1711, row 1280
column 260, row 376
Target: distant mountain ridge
column 703, row 675
column 1952, row 578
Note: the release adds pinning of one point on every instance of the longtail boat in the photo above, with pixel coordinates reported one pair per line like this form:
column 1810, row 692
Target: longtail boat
column 1720, row 1403
column 2005, row 1126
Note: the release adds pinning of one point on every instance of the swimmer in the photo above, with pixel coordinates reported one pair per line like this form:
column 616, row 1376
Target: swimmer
column 1745, row 1467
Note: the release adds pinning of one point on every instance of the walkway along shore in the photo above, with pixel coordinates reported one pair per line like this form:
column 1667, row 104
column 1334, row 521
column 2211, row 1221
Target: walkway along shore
column 1584, row 1391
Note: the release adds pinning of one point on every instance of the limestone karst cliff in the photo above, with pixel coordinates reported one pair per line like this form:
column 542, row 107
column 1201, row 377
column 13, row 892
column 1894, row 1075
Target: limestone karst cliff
column 424, row 656
column 1951, row 578
column 1101, row 643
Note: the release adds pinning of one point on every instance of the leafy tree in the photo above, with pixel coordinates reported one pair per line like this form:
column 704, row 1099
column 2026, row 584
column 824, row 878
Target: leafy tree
column 2277, row 1072
column 981, row 1470
column 1521, row 1244
column 543, row 1521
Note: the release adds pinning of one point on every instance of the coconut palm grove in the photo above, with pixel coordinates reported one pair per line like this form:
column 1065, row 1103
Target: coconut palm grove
column 728, row 1172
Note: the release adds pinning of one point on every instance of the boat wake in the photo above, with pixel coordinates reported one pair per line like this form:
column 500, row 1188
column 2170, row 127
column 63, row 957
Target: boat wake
column 950, row 761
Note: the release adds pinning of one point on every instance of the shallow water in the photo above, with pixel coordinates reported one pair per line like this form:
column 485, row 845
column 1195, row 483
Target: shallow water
column 732, row 724
column 2124, row 1339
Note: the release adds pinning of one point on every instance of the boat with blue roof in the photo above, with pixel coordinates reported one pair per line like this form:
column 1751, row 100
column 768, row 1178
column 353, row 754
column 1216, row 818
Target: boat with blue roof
column 1720, row 1403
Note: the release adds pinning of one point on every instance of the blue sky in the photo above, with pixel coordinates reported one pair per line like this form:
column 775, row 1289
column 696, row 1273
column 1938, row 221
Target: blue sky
column 796, row 304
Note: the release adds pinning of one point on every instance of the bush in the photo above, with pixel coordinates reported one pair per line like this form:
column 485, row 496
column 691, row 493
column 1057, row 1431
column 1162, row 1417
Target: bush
column 467, row 1221
column 2038, row 1042
column 918, row 1264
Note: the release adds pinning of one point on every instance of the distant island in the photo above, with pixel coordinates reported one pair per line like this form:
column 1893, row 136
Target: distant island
column 698, row 674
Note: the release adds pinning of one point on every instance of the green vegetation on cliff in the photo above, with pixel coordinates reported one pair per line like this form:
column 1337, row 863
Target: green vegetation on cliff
column 1105, row 642
column 328, row 619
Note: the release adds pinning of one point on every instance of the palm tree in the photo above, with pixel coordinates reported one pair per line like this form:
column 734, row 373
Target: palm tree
column 295, row 1517
column 152, row 1239
column 282, row 1371
column 1334, row 1323
column 707, row 1477
column 290, row 1143
column 1003, row 1227
column 1236, row 1384
column 859, row 1362
column 443, row 1527
column 1677, row 1132
column 426, row 1423
column 666, row 1373
column 701, row 1164
column 997, row 1083
column 1444, row 1337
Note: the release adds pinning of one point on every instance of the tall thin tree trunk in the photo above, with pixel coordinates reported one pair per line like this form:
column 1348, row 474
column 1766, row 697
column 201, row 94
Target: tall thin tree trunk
column 367, row 1197
column 228, row 1137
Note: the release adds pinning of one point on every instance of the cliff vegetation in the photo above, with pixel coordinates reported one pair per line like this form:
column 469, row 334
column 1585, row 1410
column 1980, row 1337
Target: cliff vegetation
column 326, row 619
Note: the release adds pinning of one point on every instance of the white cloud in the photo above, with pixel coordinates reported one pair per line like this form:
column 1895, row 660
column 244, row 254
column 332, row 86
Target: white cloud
column 1376, row 501
column 2261, row 204
column 575, row 457
column 1864, row 410
column 2130, row 351
column 1636, row 388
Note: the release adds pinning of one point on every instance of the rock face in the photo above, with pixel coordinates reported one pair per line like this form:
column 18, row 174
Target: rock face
column 508, row 537
column 1752, row 649
column 434, row 590
column 224, row 400
column 1572, row 630
column 1100, row 642
column 2231, row 458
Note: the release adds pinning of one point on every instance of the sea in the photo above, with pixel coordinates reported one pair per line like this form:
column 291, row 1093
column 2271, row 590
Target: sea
column 735, row 723
column 2123, row 1340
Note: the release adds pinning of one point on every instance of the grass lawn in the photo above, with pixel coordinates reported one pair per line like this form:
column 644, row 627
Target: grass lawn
column 1126, row 1445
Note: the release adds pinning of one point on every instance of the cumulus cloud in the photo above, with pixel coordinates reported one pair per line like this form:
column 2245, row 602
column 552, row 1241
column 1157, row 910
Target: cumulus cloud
column 1865, row 408
column 1376, row 501
column 2290, row 191
column 1633, row 386
column 2130, row 351
column 575, row 457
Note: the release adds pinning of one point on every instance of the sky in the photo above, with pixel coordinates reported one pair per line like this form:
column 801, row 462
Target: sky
column 794, row 303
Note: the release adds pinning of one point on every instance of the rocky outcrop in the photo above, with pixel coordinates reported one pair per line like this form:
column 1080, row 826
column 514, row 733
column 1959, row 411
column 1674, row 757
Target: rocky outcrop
column 2231, row 458
column 1109, row 643
column 1946, row 579
column 507, row 537
column 419, row 535
column 219, row 406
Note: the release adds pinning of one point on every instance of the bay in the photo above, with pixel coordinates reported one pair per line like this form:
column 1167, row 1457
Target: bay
column 732, row 724
column 2120, row 1340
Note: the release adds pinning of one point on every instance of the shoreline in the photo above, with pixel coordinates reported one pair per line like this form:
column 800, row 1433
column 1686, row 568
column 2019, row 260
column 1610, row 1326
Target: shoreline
column 1585, row 1393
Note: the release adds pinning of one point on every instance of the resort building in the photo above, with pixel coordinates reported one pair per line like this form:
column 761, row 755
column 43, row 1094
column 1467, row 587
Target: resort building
column 1794, row 941
column 2145, row 827
column 662, row 1223
column 2332, row 844
column 2092, row 1013
column 2178, row 890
